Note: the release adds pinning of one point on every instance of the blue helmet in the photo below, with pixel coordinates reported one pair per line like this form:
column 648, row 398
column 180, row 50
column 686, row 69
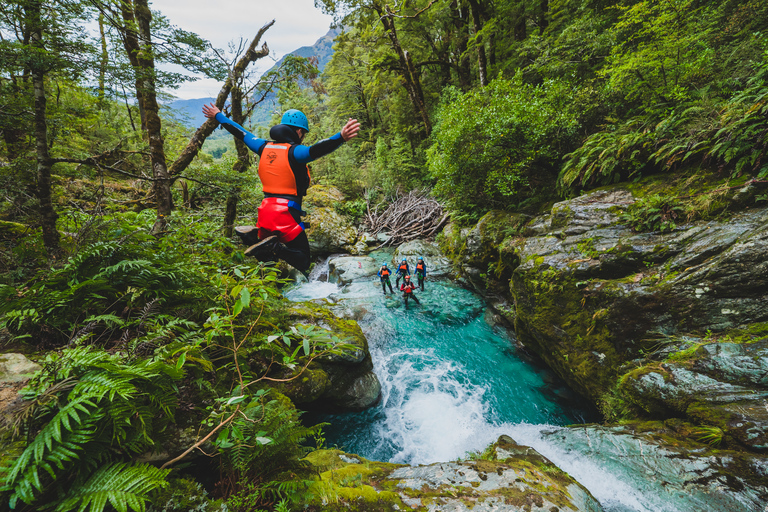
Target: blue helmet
column 384, row 264
column 295, row 118
column 404, row 259
column 421, row 258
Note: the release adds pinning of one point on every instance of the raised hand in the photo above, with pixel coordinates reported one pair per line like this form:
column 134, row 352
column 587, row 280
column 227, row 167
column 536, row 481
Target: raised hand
column 211, row 110
column 350, row 129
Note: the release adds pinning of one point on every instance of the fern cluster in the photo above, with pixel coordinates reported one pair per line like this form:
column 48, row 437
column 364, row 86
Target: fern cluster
column 91, row 413
column 262, row 453
column 108, row 291
column 731, row 136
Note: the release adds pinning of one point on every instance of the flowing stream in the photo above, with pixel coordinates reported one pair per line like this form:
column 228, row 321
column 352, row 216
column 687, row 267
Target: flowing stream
column 452, row 384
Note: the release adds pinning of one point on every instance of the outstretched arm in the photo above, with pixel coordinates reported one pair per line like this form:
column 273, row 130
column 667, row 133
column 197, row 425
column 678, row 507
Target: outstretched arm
column 254, row 143
column 304, row 154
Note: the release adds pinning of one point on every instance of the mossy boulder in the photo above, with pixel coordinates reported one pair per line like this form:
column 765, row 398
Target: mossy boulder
column 336, row 381
column 485, row 254
column 329, row 231
column 437, row 264
column 512, row 478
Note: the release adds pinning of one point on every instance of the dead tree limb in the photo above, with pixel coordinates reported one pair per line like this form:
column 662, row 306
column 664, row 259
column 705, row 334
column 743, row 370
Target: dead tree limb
column 196, row 142
column 408, row 217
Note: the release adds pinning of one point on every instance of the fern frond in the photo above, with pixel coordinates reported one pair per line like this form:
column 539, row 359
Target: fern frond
column 121, row 485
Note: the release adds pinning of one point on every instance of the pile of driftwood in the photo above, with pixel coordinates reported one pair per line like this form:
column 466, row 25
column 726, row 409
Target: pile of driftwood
column 409, row 217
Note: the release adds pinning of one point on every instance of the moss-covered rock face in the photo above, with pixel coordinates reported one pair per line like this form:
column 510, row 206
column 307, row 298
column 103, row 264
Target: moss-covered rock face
column 511, row 478
column 591, row 295
column 722, row 386
column 329, row 231
column 343, row 381
column 485, row 254
column 664, row 460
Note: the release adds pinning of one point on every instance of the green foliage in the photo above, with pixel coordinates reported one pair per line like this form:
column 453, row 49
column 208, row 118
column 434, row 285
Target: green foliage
column 654, row 213
column 713, row 436
column 90, row 409
column 107, row 289
column 494, row 146
column 355, row 209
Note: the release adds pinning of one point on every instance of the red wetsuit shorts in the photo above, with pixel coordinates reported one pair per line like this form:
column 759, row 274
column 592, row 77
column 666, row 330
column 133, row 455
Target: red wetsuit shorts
column 275, row 219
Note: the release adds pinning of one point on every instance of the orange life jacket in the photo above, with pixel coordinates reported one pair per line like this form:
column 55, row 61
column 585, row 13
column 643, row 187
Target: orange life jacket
column 275, row 170
column 403, row 267
column 384, row 272
column 420, row 266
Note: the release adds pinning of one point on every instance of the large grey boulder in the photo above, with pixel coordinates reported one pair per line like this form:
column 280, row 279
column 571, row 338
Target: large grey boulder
column 720, row 385
column 16, row 367
column 345, row 269
column 329, row 232
column 590, row 294
column 437, row 264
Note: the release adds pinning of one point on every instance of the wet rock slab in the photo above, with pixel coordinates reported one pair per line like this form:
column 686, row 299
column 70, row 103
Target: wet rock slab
column 722, row 385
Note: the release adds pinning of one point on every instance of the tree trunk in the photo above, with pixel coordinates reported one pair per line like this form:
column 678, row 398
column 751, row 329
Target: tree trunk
column 412, row 83
column 103, row 60
column 463, row 70
column 130, row 37
column 482, row 64
column 242, row 164
column 543, row 16
column 196, row 142
column 48, row 215
column 138, row 43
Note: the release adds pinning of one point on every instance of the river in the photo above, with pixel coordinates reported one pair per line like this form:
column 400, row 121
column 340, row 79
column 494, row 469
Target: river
column 452, row 384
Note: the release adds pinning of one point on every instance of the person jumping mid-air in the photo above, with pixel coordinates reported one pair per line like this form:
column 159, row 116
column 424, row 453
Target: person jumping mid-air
column 384, row 276
column 421, row 272
column 284, row 178
column 407, row 288
column 402, row 271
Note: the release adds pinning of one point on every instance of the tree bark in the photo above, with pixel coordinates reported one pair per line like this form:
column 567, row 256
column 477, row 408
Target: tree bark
column 196, row 142
column 463, row 70
column 241, row 165
column 162, row 184
column 132, row 48
column 412, row 83
column 543, row 16
column 103, row 61
column 48, row 215
column 482, row 63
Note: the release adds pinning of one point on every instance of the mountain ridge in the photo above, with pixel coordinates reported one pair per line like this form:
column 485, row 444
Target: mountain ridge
column 190, row 110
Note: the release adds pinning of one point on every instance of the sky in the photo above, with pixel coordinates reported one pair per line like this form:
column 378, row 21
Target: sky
column 297, row 23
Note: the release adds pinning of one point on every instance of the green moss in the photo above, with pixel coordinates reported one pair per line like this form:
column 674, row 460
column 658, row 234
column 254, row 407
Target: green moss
column 587, row 247
column 346, row 485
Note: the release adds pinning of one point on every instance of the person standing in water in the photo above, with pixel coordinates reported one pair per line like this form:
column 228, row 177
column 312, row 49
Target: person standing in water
column 421, row 272
column 385, row 280
column 407, row 288
column 284, row 178
column 402, row 271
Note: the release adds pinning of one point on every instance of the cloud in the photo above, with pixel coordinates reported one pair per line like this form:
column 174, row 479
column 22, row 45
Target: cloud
column 297, row 23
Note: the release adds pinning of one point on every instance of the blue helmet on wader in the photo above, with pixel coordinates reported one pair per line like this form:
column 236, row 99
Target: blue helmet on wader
column 295, row 118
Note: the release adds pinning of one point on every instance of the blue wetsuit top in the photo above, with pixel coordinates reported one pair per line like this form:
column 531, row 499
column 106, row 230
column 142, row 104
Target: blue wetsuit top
column 298, row 155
